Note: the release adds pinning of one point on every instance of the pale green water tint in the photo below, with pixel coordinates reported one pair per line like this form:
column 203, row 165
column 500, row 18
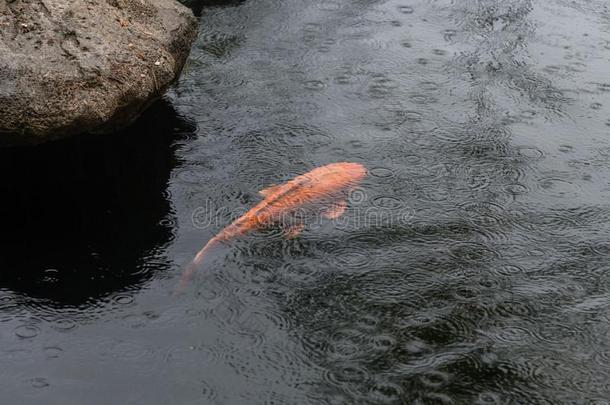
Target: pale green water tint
column 471, row 267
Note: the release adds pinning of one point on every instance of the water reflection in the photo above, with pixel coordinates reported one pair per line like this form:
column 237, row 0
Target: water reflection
column 89, row 216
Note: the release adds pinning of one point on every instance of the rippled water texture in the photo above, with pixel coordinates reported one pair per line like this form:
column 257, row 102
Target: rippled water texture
column 473, row 266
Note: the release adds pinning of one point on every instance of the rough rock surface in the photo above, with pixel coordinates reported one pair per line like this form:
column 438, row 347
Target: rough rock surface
column 73, row 66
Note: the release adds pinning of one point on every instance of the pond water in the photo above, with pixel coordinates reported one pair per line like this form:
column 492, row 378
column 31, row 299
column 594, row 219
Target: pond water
column 472, row 266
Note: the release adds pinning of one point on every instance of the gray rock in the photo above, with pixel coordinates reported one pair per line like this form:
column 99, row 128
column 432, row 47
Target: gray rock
column 74, row 66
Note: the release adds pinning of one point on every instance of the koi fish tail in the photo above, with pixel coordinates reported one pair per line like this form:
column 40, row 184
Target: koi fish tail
column 194, row 265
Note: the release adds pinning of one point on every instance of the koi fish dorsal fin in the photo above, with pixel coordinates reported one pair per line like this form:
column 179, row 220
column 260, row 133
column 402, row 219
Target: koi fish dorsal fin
column 269, row 190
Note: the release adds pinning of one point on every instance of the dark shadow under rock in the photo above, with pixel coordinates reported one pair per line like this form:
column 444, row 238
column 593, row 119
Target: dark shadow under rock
column 88, row 216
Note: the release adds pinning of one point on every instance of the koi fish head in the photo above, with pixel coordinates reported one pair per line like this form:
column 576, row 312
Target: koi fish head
column 340, row 175
column 326, row 181
column 354, row 171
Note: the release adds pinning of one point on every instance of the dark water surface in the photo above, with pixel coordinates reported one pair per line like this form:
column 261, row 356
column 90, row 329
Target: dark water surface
column 473, row 266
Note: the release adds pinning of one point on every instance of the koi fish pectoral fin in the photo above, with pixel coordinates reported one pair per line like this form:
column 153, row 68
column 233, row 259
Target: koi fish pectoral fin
column 335, row 210
column 269, row 190
column 293, row 231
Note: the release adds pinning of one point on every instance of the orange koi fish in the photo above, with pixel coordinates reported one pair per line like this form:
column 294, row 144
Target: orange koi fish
column 325, row 188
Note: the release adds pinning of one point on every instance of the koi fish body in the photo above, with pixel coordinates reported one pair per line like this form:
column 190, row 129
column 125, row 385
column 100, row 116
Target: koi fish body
column 324, row 189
